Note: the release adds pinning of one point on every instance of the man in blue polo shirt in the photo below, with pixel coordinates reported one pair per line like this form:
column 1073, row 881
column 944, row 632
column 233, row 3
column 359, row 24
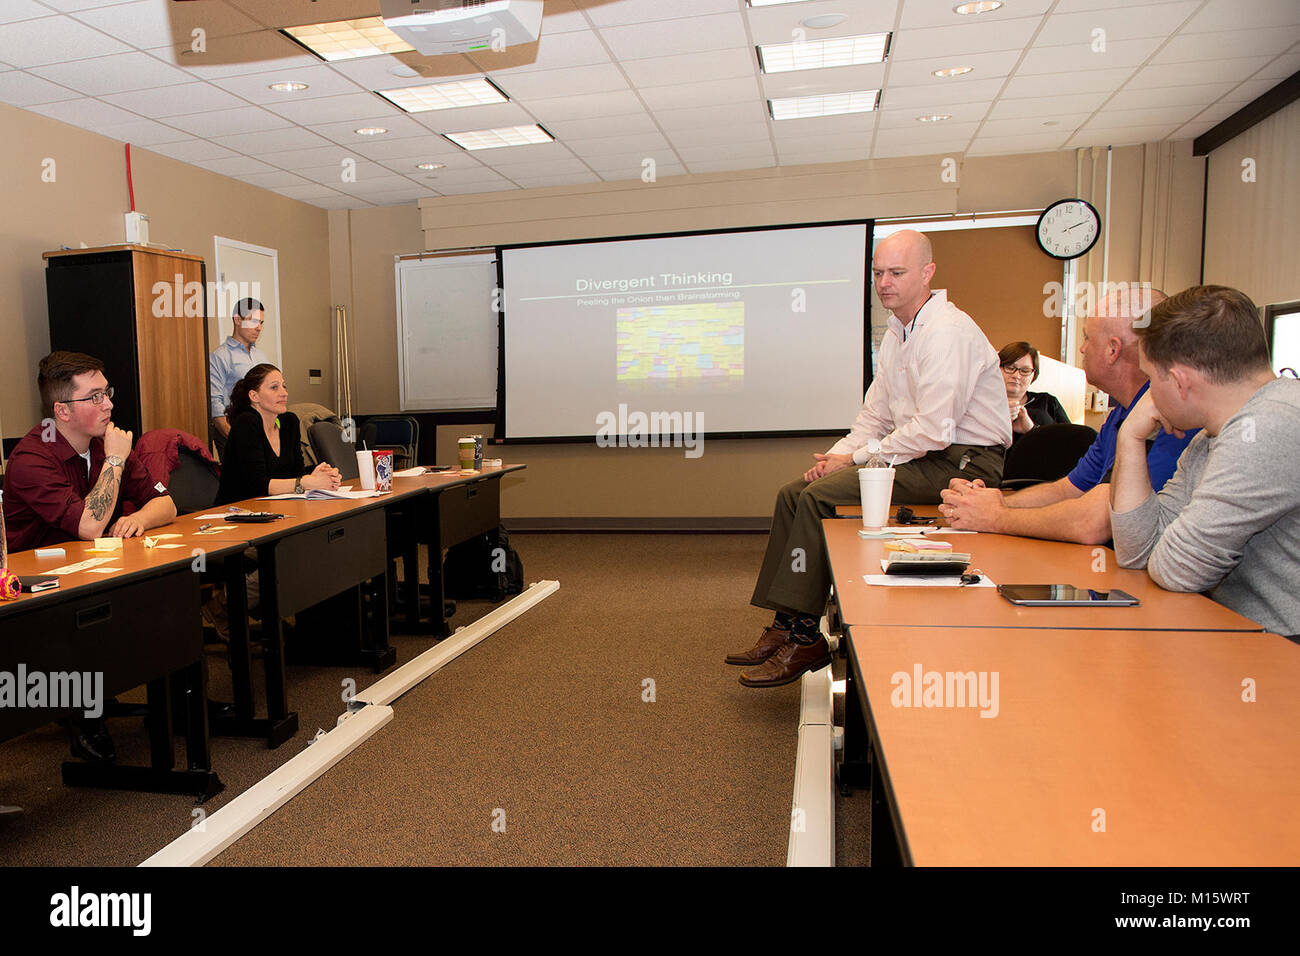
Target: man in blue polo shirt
column 1077, row 507
column 230, row 362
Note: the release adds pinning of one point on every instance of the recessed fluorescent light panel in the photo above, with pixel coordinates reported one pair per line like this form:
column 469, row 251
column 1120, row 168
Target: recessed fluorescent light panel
column 818, row 54
column 502, row 136
column 826, row 104
column 349, row 39
column 445, row 96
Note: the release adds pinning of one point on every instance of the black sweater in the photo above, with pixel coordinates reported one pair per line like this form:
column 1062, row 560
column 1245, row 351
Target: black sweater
column 249, row 464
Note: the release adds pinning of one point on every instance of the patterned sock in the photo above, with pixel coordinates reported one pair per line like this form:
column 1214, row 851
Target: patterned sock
column 804, row 629
column 782, row 621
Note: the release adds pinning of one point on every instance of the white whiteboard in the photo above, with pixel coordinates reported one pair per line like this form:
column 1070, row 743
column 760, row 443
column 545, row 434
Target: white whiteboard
column 447, row 332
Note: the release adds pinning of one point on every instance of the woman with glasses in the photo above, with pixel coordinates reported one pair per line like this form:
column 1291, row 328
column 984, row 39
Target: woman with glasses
column 1019, row 361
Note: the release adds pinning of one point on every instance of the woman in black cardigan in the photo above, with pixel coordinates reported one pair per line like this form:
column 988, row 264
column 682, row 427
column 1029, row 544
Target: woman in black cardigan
column 1019, row 361
column 262, row 455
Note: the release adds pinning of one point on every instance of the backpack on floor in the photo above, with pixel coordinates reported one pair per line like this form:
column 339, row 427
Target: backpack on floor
column 484, row 567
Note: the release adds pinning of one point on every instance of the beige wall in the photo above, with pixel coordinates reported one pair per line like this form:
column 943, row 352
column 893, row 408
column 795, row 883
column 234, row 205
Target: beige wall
column 186, row 206
column 733, row 478
column 1252, row 229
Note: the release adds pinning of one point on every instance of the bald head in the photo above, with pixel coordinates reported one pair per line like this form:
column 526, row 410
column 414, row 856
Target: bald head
column 902, row 266
column 910, row 245
column 1109, row 349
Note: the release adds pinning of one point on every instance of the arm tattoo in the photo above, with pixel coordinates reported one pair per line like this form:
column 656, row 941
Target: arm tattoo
column 104, row 495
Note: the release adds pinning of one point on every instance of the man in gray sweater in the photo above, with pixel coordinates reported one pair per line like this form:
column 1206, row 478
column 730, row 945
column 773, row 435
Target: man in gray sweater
column 1228, row 521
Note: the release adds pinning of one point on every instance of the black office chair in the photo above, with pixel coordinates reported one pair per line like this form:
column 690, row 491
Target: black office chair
column 1045, row 453
column 194, row 482
column 328, row 444
column 399, row 434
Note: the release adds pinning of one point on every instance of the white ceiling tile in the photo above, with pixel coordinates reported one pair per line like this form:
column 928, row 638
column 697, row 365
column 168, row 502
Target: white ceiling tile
column 332, row 175
column 1121, row 135
column 728, row 165
column 1130, row 22
column 1111, row 118
column 22, row 89
column 939, row 13
column 674, row 120
column 1208, row 71
column 176, row 100
column 346, row 132
column 616, row 145
column 1280, row 68
column 562, row 16
column 1216, row 113
column 488, row 116
column 440, row 177
column 1067, row 84
column 77, row 6
column 1234, row 14
column 1251, row 89
column 469, row 189
column 926, row 43
column 365, row 186
column 777, row 23
column 796, row 157
column 687, row 95
column 408, row 147
column 320, row 80
column 142, row 132
column 245, row 119
column 191, row 150
column 1003, row 145
column 311, row 191
column 550, row 53
column 1193, row 130
column 235, row 166
column 557, row 167
column 84, row 113
column 29, row 43
column 337, row 109
column 542, row 182
column 758, row 151
column 907, row 119
column 669, row 37
column 709, row 135
column 277, row 178
column 1047, row 107
column 1064, row 59
column 272, row 141
column 697, row 67
column 603, row 126
column 588, row 105
column 632, row 165
column 928, row 133
column 1195, row 47
column 892, row 149
column 1076, row 6
column 146, row 23
column 113, row 74
column 1198, row 94
column 933, row 96
column 1034, row 125
column 296, row 159
column 232, row 56
column 812, row 128
column 604, row 14
column 547, row 84
column 987, row 65
column 14, row 10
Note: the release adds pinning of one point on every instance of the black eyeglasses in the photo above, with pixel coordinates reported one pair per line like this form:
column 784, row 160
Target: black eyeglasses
column 95, row 398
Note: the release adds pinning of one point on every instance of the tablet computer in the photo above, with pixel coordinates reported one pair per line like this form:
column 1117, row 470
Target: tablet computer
column 1065, row 595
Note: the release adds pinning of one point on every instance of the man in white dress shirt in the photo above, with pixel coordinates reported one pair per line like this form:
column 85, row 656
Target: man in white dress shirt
column 937, row 408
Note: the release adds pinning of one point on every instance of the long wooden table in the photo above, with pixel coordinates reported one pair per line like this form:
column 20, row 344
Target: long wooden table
column 1115, row 748
column 138, row 624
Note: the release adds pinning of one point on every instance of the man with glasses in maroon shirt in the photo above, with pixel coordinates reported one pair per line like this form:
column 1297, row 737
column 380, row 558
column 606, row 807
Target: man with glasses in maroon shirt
column 68, row 479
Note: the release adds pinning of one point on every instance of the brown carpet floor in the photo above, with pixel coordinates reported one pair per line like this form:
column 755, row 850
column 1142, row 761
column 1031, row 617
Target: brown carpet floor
column 542, row 728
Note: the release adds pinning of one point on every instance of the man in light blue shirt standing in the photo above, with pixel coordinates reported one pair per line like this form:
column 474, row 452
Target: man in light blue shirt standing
column 230, row 362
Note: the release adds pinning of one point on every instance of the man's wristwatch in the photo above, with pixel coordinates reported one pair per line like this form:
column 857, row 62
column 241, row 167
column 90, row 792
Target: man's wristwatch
column 297, row 486
column 114, row 461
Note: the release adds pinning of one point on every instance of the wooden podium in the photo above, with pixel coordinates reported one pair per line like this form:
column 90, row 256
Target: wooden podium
column 143, row 312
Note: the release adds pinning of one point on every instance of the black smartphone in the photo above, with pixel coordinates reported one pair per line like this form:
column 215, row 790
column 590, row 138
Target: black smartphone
column 1065, row 595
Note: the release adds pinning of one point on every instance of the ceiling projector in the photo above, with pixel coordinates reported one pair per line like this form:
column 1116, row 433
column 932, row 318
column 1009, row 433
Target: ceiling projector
column 436, row 27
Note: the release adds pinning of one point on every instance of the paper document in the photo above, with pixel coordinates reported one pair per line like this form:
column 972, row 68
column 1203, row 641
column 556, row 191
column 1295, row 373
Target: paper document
column 923, row 581
column 320, row 494
column 415, row 472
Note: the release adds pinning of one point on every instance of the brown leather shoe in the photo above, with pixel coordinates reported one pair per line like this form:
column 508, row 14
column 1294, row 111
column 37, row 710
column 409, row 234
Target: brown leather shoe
column 767, row 645
column 788, row 664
